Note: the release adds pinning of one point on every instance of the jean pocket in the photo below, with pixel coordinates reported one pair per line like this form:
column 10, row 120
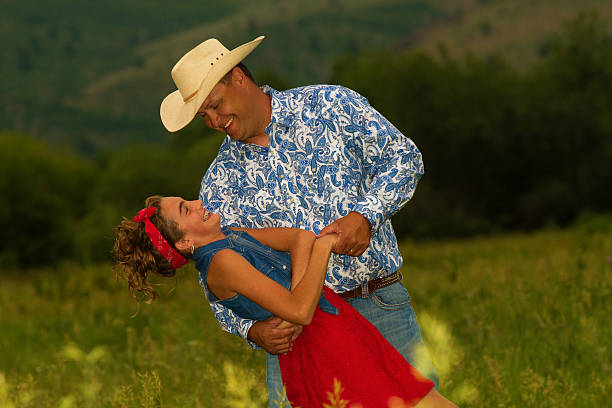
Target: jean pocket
column 392, row 297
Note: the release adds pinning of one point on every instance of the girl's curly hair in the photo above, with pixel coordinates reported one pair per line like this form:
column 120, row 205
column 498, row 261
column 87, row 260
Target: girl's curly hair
column 137, row 257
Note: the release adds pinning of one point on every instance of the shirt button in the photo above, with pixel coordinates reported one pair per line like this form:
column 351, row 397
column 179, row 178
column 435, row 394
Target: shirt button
column 284, row 267
column 281, row 176
column 301, row 223
column 291, row 200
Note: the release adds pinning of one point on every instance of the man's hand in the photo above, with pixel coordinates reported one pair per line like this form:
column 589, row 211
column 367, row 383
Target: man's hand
column 274, row 335
column 354, row 232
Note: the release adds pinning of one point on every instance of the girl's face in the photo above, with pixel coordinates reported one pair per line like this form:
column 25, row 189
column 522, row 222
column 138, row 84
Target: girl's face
column 192, row 218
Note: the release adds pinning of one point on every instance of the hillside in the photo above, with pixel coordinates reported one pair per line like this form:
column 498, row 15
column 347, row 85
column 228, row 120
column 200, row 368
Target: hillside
column 518, row 30
column 92, row 76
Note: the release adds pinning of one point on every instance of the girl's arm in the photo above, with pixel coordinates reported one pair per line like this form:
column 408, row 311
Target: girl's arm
column 231, row 273
column 297, row 242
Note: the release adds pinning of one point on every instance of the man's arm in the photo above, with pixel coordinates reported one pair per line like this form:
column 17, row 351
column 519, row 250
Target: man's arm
column 265, row 334
column 392, row 165
column 392, row 162
column 230, row 322
column 273, row 335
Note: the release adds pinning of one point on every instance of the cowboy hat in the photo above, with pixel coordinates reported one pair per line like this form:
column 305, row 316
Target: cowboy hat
column 195, row 75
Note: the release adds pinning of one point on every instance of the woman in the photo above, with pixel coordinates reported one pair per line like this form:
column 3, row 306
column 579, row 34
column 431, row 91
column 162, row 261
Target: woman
column 247, row 270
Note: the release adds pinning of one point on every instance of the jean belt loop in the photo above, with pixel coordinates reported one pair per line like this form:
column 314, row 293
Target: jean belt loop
column 365, row 290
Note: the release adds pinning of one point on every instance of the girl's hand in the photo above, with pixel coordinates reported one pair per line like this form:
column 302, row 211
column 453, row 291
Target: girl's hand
column 354, row 231
column 328, row 239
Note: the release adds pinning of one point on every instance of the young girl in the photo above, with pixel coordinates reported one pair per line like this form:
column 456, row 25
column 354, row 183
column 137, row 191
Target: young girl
column 277, row 271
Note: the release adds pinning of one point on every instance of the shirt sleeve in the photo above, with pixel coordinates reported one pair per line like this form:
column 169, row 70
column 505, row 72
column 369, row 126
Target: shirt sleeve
column 232, row 323
column 392, row 161
column 228, row 320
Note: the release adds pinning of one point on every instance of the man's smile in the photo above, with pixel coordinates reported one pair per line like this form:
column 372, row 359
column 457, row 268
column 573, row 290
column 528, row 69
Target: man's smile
column 227, row 124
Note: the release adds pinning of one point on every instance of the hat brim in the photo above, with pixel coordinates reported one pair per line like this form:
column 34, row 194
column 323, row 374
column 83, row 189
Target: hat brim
column 175, row 113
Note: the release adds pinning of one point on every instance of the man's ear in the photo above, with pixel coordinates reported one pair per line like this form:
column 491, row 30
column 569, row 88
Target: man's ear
column 183, row 244
column 238, row 77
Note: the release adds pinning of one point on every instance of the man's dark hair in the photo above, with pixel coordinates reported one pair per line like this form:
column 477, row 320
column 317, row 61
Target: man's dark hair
column 243, row 68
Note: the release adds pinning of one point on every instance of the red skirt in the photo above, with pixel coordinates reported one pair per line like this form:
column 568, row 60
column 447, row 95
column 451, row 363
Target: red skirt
column 350, row 349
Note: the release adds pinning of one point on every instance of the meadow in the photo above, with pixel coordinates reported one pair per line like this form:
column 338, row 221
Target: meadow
column 514, row 320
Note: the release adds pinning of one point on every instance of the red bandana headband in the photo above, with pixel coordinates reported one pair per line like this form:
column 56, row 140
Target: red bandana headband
column 157, row 239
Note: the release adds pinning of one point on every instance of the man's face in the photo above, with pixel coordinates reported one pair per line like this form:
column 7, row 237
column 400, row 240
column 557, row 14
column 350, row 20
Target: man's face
column 226, row 110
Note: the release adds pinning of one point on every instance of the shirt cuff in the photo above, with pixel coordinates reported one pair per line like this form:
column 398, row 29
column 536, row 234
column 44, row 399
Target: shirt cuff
column 373, row 217
column 244, row 331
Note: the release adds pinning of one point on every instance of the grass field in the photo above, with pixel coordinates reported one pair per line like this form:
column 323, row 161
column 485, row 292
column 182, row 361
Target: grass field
column 512, row 321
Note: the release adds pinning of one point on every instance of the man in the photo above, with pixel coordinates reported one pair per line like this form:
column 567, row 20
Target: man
column 318, row 158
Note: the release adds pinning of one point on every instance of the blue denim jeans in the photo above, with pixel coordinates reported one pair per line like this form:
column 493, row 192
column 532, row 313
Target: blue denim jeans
column 390, row 311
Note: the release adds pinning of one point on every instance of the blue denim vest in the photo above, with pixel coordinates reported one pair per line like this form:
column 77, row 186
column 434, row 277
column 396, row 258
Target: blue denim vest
column 274, row 264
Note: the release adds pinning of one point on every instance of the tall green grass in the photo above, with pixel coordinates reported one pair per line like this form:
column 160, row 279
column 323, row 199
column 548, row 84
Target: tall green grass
column 512, row 321
column 518, row 320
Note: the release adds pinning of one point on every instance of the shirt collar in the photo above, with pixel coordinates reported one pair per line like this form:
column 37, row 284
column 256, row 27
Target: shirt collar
column 281, row 114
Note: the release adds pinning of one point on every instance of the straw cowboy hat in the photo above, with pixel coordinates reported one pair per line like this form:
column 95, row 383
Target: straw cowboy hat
column 195, row 75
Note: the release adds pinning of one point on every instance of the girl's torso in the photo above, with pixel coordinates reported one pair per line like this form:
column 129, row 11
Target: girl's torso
column 274, row 264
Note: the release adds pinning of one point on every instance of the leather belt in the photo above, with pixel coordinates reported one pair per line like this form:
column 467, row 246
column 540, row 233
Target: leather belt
column 373, row 285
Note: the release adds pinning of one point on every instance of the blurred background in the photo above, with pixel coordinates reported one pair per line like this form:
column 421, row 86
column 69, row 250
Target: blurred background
column 509, row 101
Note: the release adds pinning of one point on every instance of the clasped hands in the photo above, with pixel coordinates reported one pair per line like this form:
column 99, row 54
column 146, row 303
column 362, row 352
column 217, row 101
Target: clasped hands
column 275, row 335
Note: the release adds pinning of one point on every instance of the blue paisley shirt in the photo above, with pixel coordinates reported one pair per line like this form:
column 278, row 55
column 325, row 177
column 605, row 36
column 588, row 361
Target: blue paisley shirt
column 329, row 153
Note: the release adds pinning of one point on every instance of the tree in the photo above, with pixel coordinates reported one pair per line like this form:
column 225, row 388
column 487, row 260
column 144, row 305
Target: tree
column 42, row 194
